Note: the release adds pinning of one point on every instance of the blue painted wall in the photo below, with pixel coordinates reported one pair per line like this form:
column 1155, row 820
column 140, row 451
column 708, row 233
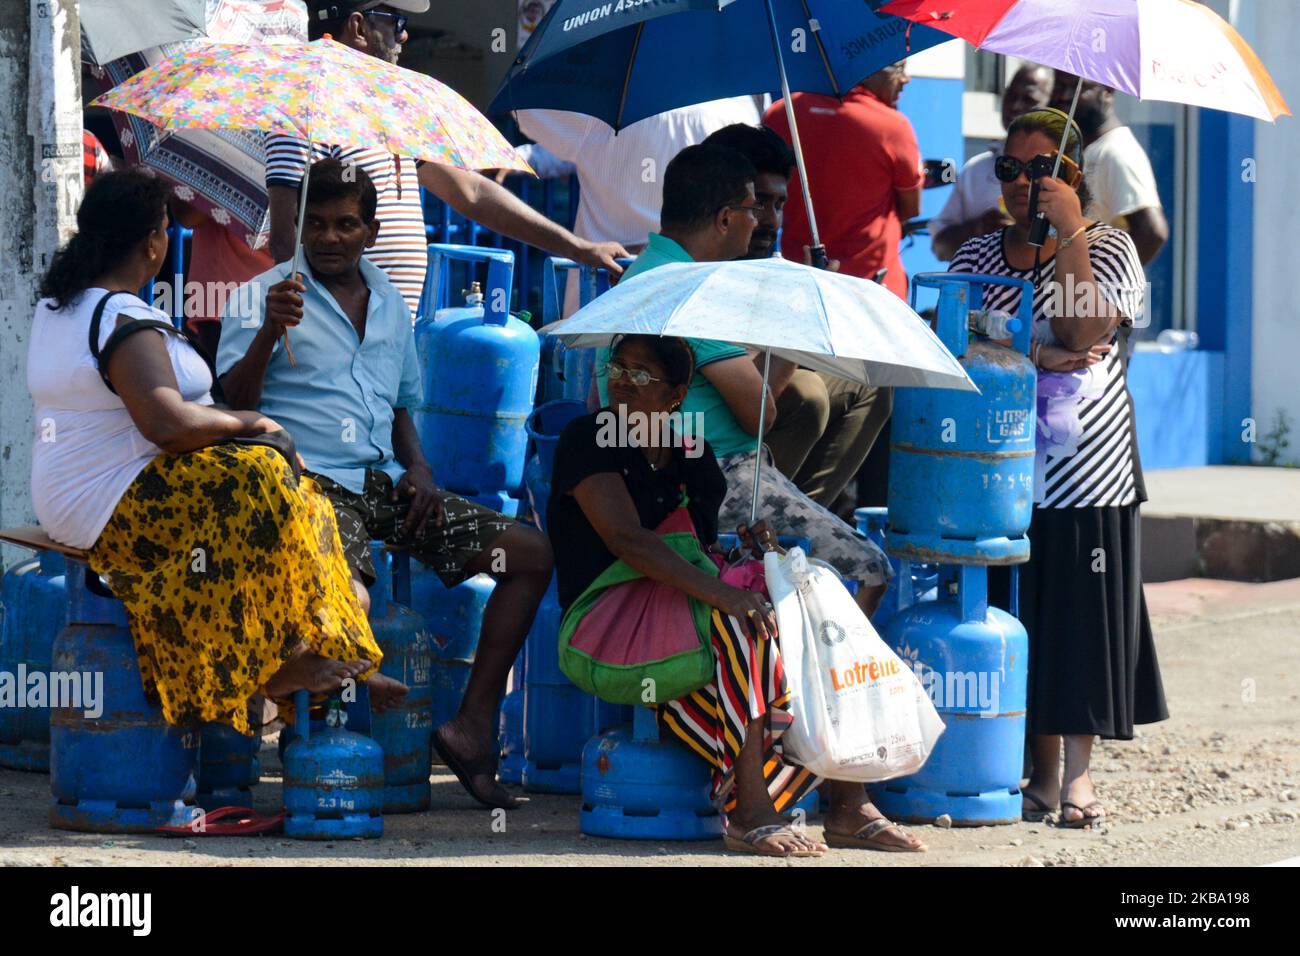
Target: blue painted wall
column 1177, row 403
column 1225, row 270
column 934, row 107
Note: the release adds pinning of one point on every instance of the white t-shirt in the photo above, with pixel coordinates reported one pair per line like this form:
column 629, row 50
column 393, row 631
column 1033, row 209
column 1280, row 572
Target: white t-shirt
column 1119, row 177
column 976, row 191
column 621, row 176
column 87, row 450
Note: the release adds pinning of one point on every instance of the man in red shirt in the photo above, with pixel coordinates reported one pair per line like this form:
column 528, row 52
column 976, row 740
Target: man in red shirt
column 865, row 173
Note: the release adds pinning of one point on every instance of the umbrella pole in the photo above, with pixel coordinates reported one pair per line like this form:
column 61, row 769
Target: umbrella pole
column 297, row 241
column 819, row 258
column 758, row 445
column 1065, row 133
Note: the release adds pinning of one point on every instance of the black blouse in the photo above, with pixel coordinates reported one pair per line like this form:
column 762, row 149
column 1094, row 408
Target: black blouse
column 580, row 554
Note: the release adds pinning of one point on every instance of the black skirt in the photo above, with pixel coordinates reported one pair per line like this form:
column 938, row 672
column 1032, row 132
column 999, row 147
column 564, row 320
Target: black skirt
column 1092, row 657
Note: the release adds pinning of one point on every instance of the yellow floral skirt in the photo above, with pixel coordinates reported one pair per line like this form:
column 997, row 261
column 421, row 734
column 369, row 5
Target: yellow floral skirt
column 226, row 564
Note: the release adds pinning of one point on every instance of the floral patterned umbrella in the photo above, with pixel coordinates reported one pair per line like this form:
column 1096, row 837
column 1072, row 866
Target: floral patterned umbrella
column 321, row 91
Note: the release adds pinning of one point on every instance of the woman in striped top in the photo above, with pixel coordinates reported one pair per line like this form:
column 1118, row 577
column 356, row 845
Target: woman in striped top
column 1092, row 660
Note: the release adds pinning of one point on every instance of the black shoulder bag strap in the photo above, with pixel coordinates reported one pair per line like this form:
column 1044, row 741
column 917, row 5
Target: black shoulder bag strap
column 122, row 332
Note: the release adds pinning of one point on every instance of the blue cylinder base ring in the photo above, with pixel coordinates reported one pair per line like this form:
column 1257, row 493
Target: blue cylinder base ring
column 916, row 805
column 564, row 779
column 615, row 822
column 26, row 755
column 105, row 816
column 407, row 798
column 349, row 827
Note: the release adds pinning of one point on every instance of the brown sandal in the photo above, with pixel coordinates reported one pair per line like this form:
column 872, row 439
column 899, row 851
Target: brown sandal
column 749, row 842
column 867, row 838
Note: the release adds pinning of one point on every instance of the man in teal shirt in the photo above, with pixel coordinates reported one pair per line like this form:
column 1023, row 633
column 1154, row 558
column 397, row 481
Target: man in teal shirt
column 346, row 399
column 707, row 190
column 709, row 212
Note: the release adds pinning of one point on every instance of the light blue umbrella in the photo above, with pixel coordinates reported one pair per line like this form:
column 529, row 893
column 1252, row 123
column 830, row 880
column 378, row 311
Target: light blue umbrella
column 822, row 320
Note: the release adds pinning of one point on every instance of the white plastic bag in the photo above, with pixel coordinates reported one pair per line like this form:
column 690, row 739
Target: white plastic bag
column 859, row 712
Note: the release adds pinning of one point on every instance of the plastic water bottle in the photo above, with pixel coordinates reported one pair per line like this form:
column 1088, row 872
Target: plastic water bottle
column 1178, row 340
column 993, row 323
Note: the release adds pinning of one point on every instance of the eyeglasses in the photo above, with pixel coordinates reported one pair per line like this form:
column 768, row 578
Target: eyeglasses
column 638, row 377
column 752, row 210
column 1008, row 169
column 399, row 20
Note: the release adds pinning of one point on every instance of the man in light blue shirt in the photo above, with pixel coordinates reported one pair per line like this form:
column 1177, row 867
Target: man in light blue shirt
column 343, row 387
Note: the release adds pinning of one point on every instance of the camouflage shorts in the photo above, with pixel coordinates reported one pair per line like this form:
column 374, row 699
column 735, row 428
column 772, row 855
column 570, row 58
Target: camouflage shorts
column 373, row 515
column 789, row 511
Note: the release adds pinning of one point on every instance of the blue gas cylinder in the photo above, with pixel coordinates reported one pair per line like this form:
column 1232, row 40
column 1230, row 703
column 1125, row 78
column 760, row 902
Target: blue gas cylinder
column 972, row 660
column 404, row 731
column 961, row 467
column 637, row 787
column 544, row 428
column 558, row 717
column 550, row 382
column 229, row 766
column 333, row 779
column 510, row 736
column 921, row 581
column 33, row 609
column 116, row 766
column 480, row 368
column 453, row 618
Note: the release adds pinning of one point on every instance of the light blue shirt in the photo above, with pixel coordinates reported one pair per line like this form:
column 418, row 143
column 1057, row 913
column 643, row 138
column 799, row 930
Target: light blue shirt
column 339, row 402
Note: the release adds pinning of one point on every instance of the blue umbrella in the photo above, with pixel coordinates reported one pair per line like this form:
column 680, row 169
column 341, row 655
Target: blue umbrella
column 623, row 60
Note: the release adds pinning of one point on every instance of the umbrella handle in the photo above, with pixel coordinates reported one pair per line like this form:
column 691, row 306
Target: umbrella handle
column 297, row 242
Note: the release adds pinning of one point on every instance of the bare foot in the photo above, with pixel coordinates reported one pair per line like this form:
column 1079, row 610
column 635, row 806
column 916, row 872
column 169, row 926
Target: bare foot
column 385, row 692
column 473, row 758
column 307, row 670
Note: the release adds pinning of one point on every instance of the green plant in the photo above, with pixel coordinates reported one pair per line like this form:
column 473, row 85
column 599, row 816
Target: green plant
column 1275, row 442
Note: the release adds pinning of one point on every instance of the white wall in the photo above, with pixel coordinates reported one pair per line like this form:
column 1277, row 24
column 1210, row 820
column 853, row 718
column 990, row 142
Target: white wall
column 1275, row 343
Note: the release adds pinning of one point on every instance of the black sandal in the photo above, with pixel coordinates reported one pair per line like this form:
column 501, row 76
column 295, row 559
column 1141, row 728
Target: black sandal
column 467, row 770
column 1084, row 820
column 1035, row 814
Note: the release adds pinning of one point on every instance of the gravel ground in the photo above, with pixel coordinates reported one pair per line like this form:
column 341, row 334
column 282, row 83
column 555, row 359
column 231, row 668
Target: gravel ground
column 1217, row 784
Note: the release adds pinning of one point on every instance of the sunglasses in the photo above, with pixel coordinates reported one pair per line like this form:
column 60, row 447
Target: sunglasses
column 637, row 376
column 1008, row 169
column 399, row 20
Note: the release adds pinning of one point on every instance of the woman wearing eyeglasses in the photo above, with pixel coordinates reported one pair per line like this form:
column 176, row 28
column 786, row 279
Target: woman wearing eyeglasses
column 608, row 494
column 1092, row 658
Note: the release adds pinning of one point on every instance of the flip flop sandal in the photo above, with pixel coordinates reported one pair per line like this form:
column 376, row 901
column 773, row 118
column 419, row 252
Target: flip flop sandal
column 1084, row 820
column 467, row 770
column 246, row 822
column 865, row 839
column 1037, row 812
column 749, row 842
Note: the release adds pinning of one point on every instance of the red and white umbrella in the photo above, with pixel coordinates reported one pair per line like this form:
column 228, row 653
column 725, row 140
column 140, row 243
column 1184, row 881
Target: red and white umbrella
column 1178, row 51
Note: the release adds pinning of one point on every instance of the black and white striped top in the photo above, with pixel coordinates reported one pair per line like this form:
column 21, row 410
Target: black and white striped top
column 1086, row 450
column 401, row 250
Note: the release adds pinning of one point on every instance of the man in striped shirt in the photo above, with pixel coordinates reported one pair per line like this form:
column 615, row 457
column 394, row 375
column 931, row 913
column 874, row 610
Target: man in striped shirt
column 379, row 29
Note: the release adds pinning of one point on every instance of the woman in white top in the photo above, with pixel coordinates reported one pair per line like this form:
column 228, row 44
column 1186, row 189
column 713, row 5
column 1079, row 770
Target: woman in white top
column 229, row 566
